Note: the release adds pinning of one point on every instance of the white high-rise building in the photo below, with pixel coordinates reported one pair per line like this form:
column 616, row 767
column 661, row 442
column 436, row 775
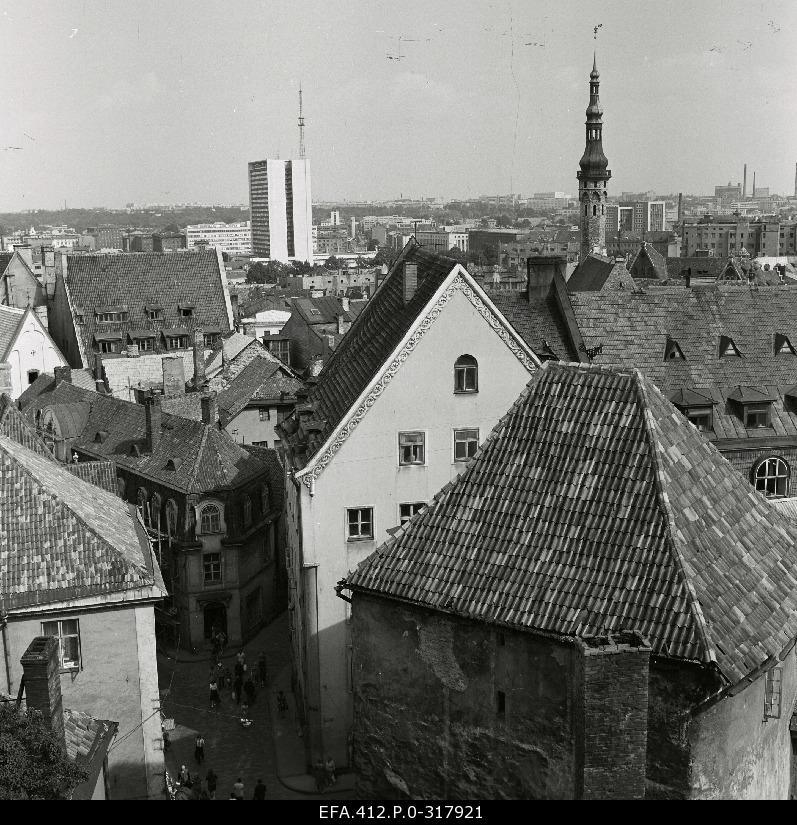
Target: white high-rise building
column 282, row 209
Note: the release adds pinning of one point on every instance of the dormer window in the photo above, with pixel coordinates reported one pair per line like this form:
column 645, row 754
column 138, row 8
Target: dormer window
column 696, row 407
column 728, row 349
column 186, row 310
column 672, row 352
column 753, row 406
column 783, row 346
column 154, row 314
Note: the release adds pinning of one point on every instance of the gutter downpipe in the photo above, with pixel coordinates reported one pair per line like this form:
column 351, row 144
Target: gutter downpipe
column 3, row 625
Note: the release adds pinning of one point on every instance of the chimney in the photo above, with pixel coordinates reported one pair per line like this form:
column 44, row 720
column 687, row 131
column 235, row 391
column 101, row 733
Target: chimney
column 152, row 415
column 210, row 408
column 25, row 252
column 199, row 359
column 173, row 376
column 63, row 374
column 410, row 281
column 744, row 182
column 132, row 350
column 541, row 270
column 41, row 672
column 611, row 717
column 344, row 302
column 5, row 378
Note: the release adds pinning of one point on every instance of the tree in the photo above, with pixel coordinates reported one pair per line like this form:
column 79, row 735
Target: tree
column 299, row 268
column 385, row 255
column 33, row 762
column 458, row 255
column 332, row 263
column 270, row 273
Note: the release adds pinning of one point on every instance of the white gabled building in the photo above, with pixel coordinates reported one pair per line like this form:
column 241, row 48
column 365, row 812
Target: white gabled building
column 27, row 347
column 419, row 381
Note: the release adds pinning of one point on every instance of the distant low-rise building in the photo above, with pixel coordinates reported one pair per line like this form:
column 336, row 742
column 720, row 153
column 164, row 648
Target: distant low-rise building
column 232, row 238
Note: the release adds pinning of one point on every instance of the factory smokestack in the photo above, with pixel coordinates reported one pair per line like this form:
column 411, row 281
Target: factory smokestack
column 744, row 184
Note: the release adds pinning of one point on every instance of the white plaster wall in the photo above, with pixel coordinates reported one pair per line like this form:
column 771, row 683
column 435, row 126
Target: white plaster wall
column 365, row 472
column 150, row 700
column 33, row 350
column 277, row 219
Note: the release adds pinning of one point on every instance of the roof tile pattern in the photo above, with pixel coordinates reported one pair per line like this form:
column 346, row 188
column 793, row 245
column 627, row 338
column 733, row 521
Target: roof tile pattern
column 62, row 538
column 135, row 281
column 537, row 322
column 633, row 328
column 208, row 459
column 260, row 380
column 595, row 507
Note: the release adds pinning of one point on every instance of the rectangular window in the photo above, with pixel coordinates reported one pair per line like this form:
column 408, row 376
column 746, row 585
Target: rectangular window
column 145, row 343
column 466, row 378
column 68, row 633
column 756, row 416
column 407, row 511
column 360, row 523
column 210, row 339
column 701, row 417
column 155, row 314
column 264, row 414
column 772, row 693
column 109, row 346
column 466, row 442
column 186, row 312
column 412, row 448
column 211, row 564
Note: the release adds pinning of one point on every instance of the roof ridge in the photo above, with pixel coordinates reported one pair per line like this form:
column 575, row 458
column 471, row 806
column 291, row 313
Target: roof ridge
column 648, row 421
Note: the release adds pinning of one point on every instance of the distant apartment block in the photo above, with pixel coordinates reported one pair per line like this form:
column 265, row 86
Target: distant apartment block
column 281, row 208
column 441, row 240
column 724, row 238
column 232, row 238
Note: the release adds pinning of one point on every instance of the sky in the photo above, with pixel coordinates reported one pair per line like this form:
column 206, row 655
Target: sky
column 165, row 101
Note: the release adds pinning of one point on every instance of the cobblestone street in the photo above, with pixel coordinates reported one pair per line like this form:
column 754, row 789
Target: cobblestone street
column 230, row 750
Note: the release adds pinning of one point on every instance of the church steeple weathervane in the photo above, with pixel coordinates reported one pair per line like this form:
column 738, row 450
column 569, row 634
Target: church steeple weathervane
column 594, row 174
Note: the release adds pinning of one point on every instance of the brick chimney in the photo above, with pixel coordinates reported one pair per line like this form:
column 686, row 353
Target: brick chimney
column 63, row 374
column 132, row 351
column 199, row 359
column 410, row 281
column 541, row 270
column 152, row 413
column 343, row 325
column 41, row 669
column 210, row 408
column 173, row 376
column 5, row 378
column 611, row 717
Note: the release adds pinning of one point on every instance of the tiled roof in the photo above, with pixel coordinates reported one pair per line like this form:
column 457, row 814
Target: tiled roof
column 138, row 280
column 538, row 322
column 15, row 426
column 702, row 266
column 5, row 259
column 260, row 380
column 657, row 261
column 321, row 310
column 377, row 331
column 594, row 507
column 231, row 345
column 87, row 742
column 46, row 382
column 99, row 473
column 10, row 319
column 62, row 538
column 208, row 458
column 633, row 329
column 590, row 274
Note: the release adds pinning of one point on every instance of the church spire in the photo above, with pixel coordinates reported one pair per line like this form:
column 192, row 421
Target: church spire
column 594, row 173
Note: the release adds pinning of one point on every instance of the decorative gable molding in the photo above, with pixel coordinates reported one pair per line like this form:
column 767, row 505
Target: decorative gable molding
column 458, row 284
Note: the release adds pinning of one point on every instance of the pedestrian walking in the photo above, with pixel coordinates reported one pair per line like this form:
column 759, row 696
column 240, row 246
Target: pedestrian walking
column 241, row 657
column 282, row 704
column 214, row 694
column 239, row 670
column 237, row 688
column 199, row 749
column 329, row 770
column 260, row 790
column 249, row 690
column 227, row 678
column 320, row 776
column 244, row 710
column 183, row 777
column 212, row 781
column 238, row 789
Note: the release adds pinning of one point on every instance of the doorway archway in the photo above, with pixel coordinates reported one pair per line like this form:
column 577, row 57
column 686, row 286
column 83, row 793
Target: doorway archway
column 215, row 614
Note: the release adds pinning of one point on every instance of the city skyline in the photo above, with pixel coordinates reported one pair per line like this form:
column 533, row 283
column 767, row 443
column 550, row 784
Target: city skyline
column 169, row 104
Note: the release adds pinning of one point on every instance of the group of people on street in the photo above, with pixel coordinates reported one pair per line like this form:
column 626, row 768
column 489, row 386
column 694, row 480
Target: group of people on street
column 324, row 774
column 242, row 682
column 193, row 787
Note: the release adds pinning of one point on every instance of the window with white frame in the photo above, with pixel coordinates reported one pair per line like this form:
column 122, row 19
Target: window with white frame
column 412, row 448
column 408, row 510
column 466, row 374
column 264, row 413
column 211, row 566
column 466, row 443
column 210, row 520
column 360, row 523
column 67, row 632
column 772, row 477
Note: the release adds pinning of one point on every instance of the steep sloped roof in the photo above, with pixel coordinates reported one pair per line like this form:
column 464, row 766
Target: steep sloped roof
column 62, row 538
column 657, row 263
column 591, row 274
column 135, row 281
column 10, row 319
column 262, row 379
column 378, row 330
column 208, row 459
column 595, row 507
column 15, row 426
column 5, row 259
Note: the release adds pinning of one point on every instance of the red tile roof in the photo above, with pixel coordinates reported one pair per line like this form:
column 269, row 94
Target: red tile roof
column 595, row 507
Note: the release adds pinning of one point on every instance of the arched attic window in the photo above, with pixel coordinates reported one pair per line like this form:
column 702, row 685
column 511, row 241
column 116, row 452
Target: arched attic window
column 466, row 374
column 771, row 477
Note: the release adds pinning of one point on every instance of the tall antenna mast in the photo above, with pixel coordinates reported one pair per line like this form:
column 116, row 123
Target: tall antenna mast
column 301, row 125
